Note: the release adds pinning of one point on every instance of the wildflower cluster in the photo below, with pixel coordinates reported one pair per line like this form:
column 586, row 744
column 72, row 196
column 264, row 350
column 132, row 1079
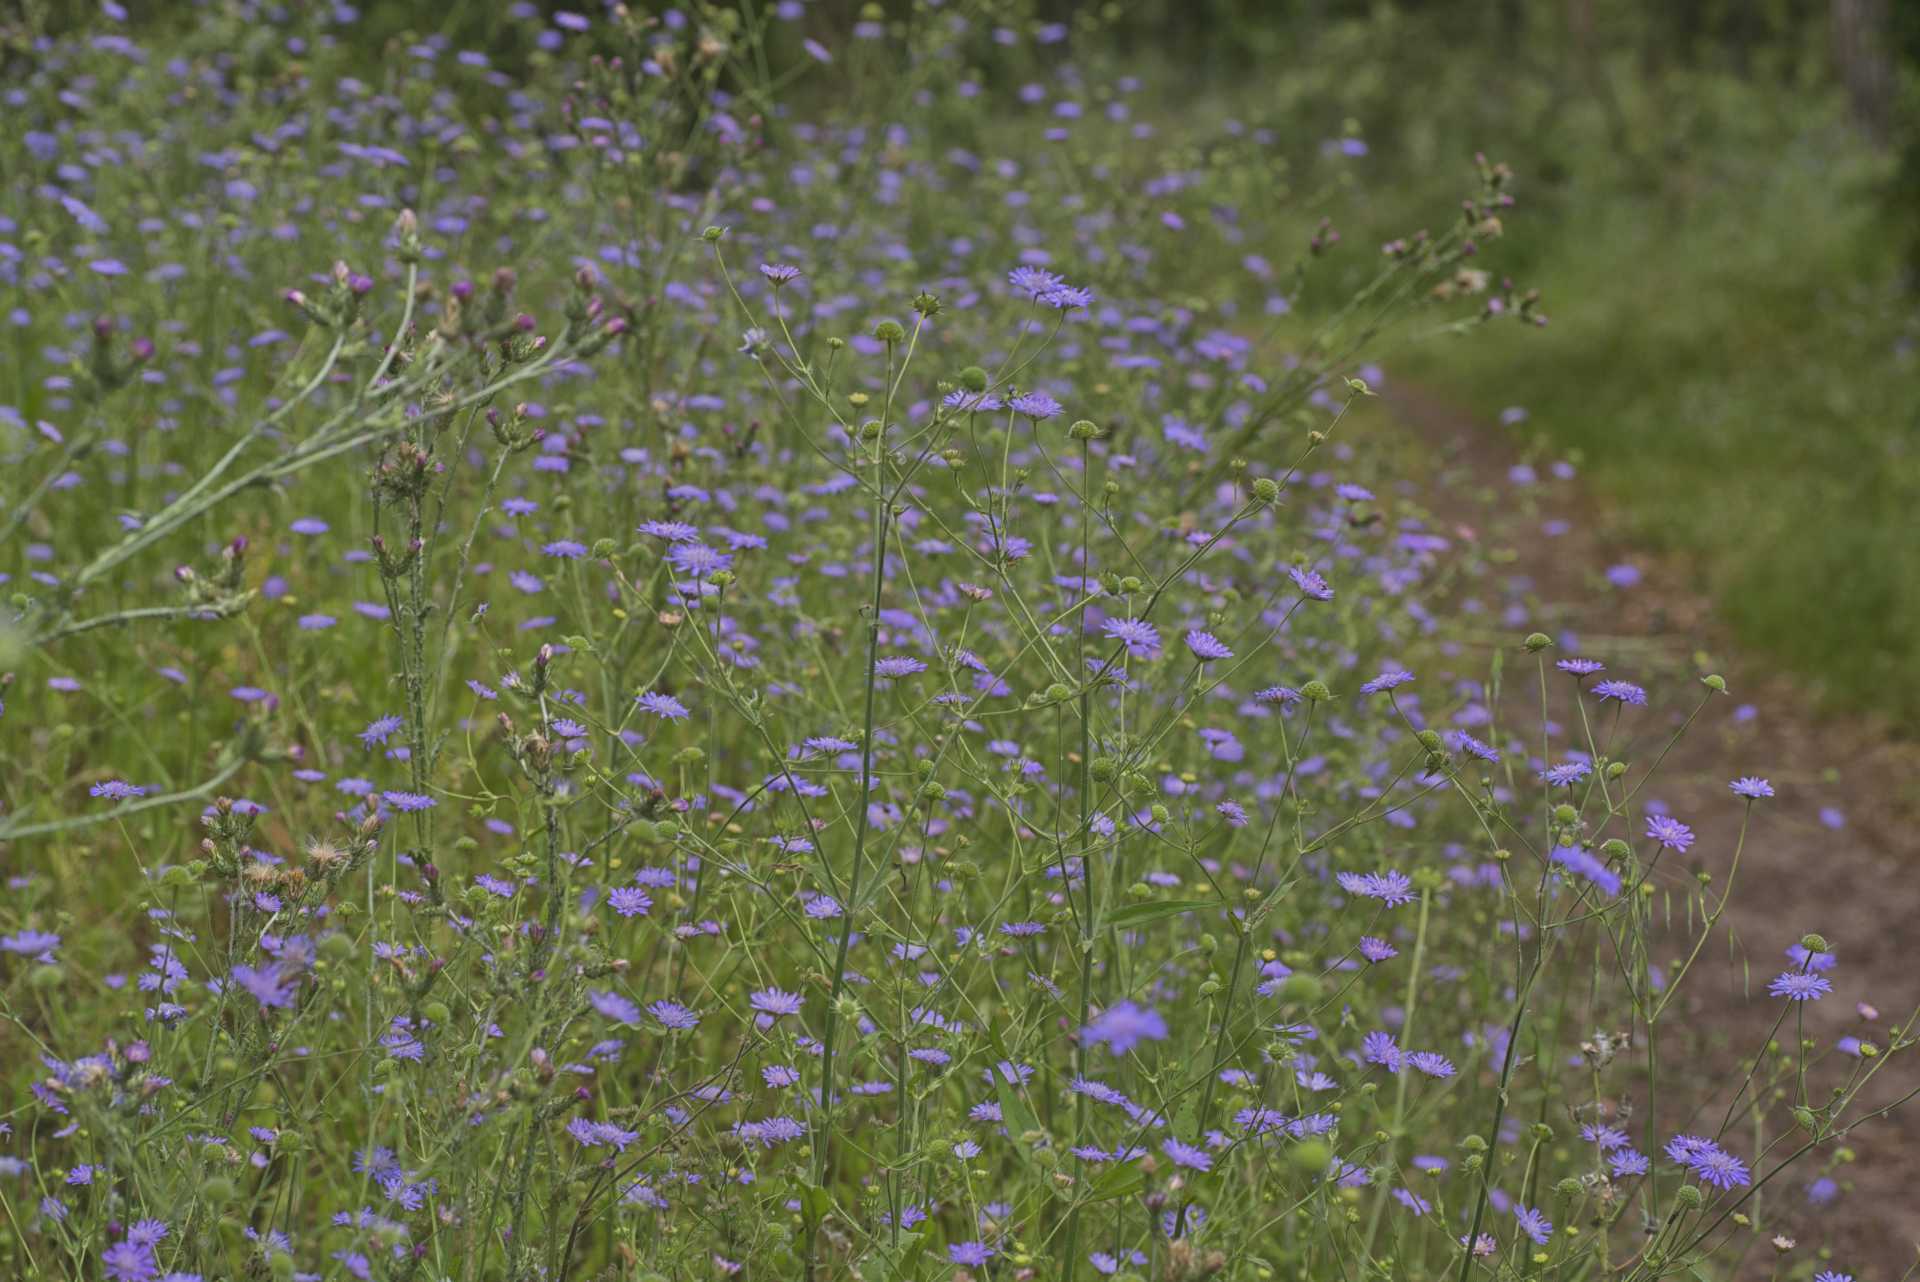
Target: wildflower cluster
column 813, row 725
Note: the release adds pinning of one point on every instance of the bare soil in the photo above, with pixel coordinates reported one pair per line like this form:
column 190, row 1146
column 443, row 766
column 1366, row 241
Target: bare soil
column 1856, row 883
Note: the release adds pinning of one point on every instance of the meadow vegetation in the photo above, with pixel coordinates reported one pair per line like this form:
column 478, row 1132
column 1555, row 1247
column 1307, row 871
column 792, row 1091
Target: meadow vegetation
column 729, row 645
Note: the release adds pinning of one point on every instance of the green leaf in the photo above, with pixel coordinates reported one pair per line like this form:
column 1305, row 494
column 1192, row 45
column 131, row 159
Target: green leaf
column 1140, row 914
column 814, row 1201
column 1014, row 1112
column 1122, row 1181
column 887, row 1263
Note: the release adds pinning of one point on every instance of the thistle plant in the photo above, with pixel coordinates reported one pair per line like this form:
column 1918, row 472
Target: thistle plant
column 756, row 683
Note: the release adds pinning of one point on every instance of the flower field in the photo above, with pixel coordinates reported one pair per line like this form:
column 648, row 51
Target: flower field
column 712, row 642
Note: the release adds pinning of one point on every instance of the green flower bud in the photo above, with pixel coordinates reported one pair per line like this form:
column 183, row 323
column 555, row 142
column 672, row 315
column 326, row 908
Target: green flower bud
column 1316, row 691
column 1430, row 740
column 1714, row 682
column 1301, row 989
column 1813, row 943
column 1266, row 489
column 1309, row 1157
column 1083, row 430
column 889, row 331
column 973, row 378
column 1536, row 642
column 712, row 234
column 1687, row 1195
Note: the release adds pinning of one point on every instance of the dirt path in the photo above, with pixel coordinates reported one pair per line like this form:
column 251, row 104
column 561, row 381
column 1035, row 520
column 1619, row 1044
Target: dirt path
column 1834, row 853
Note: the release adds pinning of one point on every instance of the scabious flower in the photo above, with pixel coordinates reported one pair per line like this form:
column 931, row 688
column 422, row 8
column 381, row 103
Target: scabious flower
column 1533, row 1223
column 1035, row 405
column 1669, row 833
column 1752, row 787
column 773, row 1001
column 697, row 560
column 1032, row 281
column 1067, row 298
column 664, row 706
column 1389, row 680
column 1580, row 667
column 1709, row 1163
column 1125, row 1025
column 116, row 790
column 779, row 273
column 268, row 985
column 1799, row 986
column 1390, row 887
column 1187, row 1155
column 1141, row 639
column 672, row 1014
column 129, row 1261
column 1463, row 742
column 1626, row 1162
column 1310, row 583
column 1625, row 692
column 1722, row 1170
column 1566, row 774
column 972, row 1254
column 1376, row 950
column 893, row 667
column 630, row 901
column 591, row 1134
column 1380, row 1048
column 615, row 1006
column 1206, row 647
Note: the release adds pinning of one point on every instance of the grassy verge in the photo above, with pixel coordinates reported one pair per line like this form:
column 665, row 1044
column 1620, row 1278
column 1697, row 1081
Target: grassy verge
column 1733, row 361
